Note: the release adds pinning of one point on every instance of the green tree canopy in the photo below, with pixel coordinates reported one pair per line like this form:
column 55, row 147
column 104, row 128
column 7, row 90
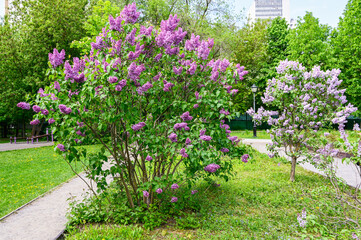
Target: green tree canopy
column 309, row 43
column 30, row 31
column 347, row 45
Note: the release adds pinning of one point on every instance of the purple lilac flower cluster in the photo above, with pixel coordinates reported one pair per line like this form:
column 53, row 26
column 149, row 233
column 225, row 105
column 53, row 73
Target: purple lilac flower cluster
column 168, row 37
column 183, row 153
column 61, row 147
column 212, row 168
column 64, row 109
column 24, row 105
column 245, row 158
column 179, row 126
column 186, row 117
column 56, row 58
column 173, row 137
column 138, row 126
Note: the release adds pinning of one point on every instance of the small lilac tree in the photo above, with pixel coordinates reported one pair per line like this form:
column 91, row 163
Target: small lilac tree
column 307, row 101
column 154, row 101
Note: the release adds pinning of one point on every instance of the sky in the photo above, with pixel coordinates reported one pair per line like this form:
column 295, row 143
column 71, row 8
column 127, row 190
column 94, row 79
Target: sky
column 328, row 11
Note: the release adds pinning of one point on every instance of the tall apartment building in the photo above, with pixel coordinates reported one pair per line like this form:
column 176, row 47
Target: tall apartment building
column 265, row 9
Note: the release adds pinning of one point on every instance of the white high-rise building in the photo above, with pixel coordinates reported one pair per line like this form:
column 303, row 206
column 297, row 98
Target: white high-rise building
column 269, row 9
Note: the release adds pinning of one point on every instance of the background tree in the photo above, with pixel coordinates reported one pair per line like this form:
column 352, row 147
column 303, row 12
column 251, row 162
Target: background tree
column 30, row 31
column 348, row 51
column 309, row 43
column 251, row 52
column 277, row 43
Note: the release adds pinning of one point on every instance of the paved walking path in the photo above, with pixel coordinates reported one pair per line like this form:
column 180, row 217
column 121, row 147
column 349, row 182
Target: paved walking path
column 346, row 171
column 22, row 145
column 44, row 218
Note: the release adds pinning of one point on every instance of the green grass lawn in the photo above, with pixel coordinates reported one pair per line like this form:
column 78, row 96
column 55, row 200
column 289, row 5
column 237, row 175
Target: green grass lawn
column 259, row 202
column 261, row 134
column 26, row 174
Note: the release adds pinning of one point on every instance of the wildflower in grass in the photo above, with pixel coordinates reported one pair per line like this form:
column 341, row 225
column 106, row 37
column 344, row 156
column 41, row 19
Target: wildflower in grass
column 174, row 186
column 188, row 141
column 354, row 236
column 212, row 168
column 302, row 218
column 159, row 191
column 356, row 127
column 194, row 192
column 149, row 158
column 195, row 105
column 61, row 147
column 145, row 194
column 174, row 199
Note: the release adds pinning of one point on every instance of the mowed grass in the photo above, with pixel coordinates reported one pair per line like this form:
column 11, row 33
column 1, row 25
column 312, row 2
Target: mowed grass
column 259, row 202
column 261, row 134
column 28, row 173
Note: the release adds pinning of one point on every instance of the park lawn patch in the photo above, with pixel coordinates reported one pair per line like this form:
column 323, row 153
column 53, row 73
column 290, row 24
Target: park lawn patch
column 259, row 202
column 28, row 173
column 261, row 134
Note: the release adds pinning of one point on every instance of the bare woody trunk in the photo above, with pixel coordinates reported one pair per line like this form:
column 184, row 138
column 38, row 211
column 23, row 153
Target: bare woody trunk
column 293, row 169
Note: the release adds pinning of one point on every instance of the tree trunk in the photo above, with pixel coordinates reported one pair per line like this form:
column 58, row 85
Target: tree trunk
column 293, row 169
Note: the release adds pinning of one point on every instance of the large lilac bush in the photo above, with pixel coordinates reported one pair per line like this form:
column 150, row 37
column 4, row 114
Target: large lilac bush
column 306, row 101
column 155, row 101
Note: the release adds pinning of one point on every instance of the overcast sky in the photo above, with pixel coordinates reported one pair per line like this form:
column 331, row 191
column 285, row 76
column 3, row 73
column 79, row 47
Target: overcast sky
column 328, row 11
